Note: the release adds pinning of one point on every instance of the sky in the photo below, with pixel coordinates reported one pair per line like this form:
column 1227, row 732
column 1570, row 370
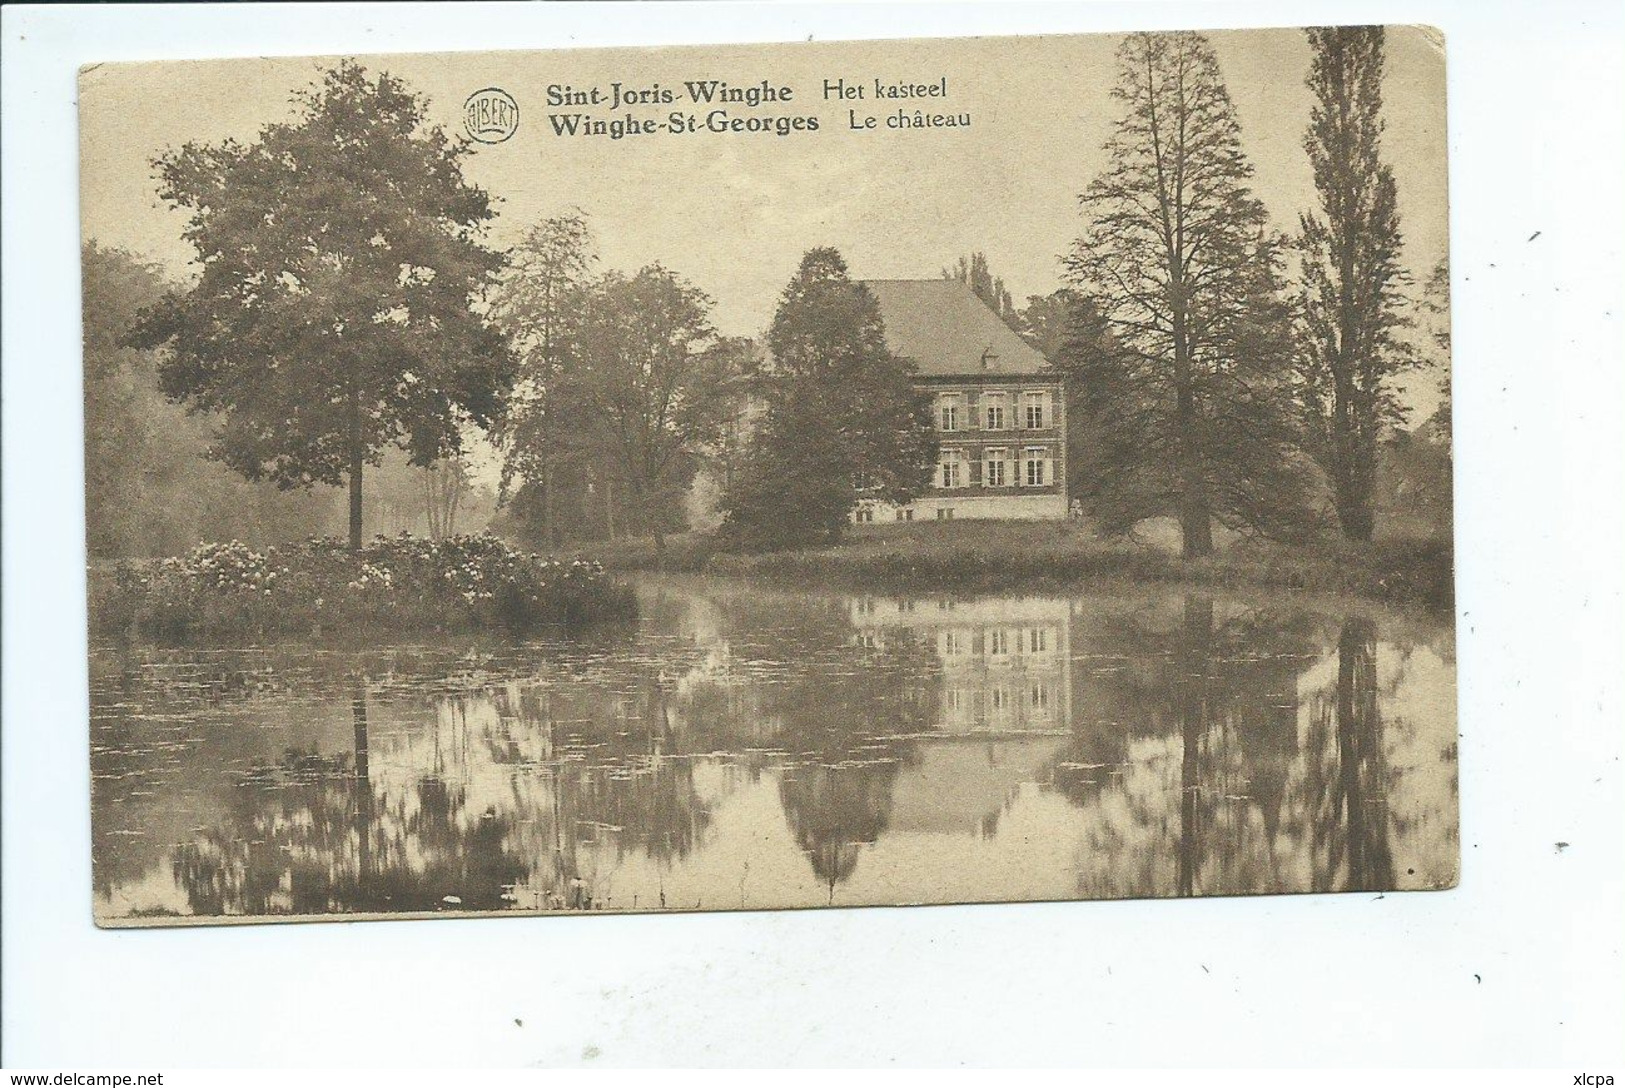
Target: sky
column 733, row 212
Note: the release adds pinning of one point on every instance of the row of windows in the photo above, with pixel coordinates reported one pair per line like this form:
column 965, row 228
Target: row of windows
column 997, row 467
column 870, row 606
column 865, row 515
column 996, row 642
column 991, row 414
column 959, row 700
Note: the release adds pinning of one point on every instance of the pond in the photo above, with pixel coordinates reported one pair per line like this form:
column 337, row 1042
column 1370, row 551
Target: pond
column 745, row 746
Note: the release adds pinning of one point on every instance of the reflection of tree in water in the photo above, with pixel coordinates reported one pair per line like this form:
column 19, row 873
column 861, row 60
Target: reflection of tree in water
column 146, row 788
column 312, row 834
column 1347, row 786
column 788, row 678
column 596, row 768
column 1207, row 781
column 853, row 729
column 1182, row 746
column 618, row 761
column 833, row 811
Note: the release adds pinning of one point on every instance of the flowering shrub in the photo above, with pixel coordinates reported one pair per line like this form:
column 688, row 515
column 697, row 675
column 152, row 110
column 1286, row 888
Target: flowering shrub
column 405, row 581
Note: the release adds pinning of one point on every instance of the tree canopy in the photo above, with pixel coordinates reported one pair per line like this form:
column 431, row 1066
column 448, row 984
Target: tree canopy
column 974, row 273
column 1352, row 300
column 842, row 418
column 335, row 313
column 648, row 382
column 532, row 307
column 149, row 490
column 1191, row 407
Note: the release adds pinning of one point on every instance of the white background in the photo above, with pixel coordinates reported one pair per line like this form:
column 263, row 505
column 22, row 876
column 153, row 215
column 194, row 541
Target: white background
column 1521, row 965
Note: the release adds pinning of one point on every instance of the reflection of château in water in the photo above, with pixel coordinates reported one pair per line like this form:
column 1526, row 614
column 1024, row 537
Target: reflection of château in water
column 1004, row 662
column 761, row 748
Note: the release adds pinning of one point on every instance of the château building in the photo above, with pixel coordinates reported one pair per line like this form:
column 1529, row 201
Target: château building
column 997, row 404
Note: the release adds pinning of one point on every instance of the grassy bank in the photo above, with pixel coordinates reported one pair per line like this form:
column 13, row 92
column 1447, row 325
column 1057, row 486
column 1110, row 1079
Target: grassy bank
column 993, row 556
column 685, row 553
column 395, row 585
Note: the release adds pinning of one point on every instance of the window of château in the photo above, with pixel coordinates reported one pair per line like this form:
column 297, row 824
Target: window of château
column 993, row 471
column 1036, row 467
column 993, row 411
column 1036, row 407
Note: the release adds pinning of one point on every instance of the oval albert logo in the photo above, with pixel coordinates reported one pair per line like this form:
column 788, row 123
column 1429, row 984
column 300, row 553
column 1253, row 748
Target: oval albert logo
column 490, row 115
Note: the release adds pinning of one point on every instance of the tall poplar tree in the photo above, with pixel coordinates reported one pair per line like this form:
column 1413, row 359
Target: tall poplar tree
column 974, row 273
column 341, row 270
column 1353, row 293
column 1191, row 406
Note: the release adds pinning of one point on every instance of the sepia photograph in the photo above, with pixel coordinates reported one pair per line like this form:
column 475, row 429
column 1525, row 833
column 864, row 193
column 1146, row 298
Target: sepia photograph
column 560, row 540
column 830, row 474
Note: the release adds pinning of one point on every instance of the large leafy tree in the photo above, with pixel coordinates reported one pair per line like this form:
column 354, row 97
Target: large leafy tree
column 1353, row 295
column 335, row 314
column 842, row 418
column 532, row 306
column 648, row 382
column 1192, row 407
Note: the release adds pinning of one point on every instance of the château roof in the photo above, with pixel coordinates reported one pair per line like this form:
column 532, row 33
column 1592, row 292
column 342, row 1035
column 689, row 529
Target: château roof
column 944, row 328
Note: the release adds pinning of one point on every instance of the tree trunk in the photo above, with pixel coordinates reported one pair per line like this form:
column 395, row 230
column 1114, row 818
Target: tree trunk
column 1352, row 480
column 355, row 497
column 356, row 460
column 648, row 521
column 1195, row 524
column 454, row 502
column 609, row 508
column 549, row 521
column 429, row 504
column 1351, row 456
column 1355, row 511
column 1195, row 521
column 363, row 783
column 1195, row 662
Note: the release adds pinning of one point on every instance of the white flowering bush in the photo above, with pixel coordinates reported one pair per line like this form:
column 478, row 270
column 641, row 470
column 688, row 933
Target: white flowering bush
column 229, row 567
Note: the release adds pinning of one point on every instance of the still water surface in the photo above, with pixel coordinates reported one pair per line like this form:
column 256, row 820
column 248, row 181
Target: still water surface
column 750, row 747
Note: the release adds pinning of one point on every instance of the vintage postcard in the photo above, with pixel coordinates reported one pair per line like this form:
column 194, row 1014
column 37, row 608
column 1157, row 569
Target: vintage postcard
column 764, row 476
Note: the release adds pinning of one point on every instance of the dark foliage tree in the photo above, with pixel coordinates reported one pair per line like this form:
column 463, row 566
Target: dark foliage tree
column 149, row 489
column 973, row 271
column 1352, row 306
column 531, row 306
column 649, row 383
column 1192, row 408
column 1436, row 311
column 1067, row 329
column 126, row 464
column 842, row 419
column 1047, row 321
column 1413, row 494
column 335, row 312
